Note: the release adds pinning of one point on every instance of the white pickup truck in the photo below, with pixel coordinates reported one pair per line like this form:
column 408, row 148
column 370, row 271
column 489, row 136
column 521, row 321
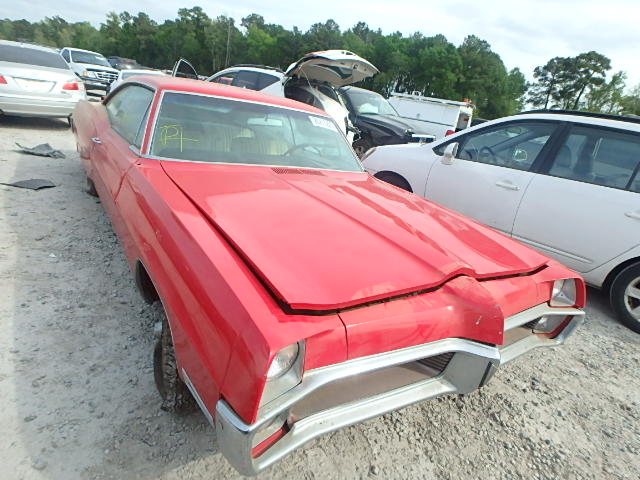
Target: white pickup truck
column 436, row 116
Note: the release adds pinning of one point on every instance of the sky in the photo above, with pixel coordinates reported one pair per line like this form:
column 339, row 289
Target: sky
column 524, row 33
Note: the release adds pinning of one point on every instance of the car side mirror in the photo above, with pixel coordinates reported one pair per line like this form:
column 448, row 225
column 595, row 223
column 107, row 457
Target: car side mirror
column 449, row 153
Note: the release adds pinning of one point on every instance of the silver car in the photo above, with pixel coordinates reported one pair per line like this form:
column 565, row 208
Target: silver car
column 36, row 82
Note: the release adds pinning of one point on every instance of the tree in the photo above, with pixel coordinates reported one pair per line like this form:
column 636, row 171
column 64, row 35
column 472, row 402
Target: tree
column 631, row 102
column 607, row 98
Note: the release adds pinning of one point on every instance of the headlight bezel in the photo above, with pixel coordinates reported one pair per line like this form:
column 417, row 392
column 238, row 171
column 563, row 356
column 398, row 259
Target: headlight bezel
column 564, row 293
column 284, row 380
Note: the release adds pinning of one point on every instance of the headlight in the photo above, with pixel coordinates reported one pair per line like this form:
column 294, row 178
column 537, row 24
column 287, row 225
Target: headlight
column 88, row 74
column 283, row 361
column 563, row 293
column 285, row 372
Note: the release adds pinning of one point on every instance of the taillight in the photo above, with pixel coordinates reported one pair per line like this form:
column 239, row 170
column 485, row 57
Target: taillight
column 72, row 86
column 3, row 80
column 449, row 132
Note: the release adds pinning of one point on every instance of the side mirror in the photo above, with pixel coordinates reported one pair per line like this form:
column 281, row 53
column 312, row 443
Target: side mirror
column 449, row 153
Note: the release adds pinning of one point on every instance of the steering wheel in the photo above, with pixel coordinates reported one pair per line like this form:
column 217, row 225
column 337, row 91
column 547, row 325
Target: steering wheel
column 302, row 146
column 487, row 155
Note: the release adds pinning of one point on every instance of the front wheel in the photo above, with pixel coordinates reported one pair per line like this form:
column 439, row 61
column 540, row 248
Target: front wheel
column 624, row 296
column 175, row 394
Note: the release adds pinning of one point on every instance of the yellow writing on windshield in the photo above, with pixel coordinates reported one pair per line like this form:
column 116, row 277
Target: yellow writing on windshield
column 174, row 133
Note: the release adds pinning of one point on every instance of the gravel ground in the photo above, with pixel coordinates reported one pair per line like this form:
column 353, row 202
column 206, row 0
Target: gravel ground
column 78, row 399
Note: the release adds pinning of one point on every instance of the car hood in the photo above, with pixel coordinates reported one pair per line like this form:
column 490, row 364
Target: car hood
column 93, row 66
column 336, row 67
column 324, row 240
column 397, row 124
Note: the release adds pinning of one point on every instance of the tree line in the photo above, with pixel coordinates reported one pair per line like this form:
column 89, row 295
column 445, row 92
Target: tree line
column 430, row 65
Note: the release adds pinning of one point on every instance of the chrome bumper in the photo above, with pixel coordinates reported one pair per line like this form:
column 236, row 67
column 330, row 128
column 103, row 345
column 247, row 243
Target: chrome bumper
column 471, row 366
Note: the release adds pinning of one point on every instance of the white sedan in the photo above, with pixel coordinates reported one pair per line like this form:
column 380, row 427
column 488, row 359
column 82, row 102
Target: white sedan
column 565, row 183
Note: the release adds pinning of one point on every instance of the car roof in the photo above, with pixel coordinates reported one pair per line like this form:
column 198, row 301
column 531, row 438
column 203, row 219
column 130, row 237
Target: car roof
column 577, row 117
column 81, row 50
column 187, row 85
column 35, row 46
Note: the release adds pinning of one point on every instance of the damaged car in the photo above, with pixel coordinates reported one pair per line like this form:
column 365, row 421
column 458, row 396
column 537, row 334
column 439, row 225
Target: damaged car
column 300, row 294
column 314, row 80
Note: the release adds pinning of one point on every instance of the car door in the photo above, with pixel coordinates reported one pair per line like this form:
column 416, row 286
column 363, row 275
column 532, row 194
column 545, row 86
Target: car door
column 113, row 154
column 490, row 173
column 584, row 208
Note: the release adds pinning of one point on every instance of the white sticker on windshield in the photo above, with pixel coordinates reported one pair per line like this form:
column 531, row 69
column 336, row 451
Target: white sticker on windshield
column 323, row 123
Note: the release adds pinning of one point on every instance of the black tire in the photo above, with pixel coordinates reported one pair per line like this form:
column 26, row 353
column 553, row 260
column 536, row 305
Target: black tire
column 361, row 146
column 394, row 179
column 176, row 397
column 91, row 188
column 623, row 299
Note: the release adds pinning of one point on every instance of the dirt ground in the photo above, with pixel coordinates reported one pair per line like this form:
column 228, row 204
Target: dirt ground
column 77, row 398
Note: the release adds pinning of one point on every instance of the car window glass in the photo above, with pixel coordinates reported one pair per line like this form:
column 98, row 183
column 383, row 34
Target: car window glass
column 31, row 56
column 246, row 79
column 598, row 156
column 90, row 58
column 225, row 79
column 65, row 55
column 216, row 130
column 514, row 145
column 264, row 80
column 371, row 103
column 127, row 110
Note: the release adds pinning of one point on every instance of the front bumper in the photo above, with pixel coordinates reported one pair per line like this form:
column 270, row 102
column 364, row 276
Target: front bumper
column 469, row 366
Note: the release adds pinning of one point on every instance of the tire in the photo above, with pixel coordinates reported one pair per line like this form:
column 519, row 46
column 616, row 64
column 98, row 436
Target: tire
column 176, row 397
column 361, row 146
column 624, row 296
column 394, row 179
column 91, row 188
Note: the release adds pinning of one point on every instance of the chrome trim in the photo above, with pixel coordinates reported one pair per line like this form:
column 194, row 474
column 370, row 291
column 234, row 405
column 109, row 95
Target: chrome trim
column 463, row 374
column 471, row 367
column 541, row 310
column 196, row 396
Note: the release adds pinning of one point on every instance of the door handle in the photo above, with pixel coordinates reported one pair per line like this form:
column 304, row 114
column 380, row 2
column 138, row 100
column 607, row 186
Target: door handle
column 507, row 185
column 96, row 140
column 634, row 215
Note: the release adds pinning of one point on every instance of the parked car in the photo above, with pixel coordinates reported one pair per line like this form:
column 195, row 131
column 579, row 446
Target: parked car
column 378, row 122
column 312, row 80
column 565, row 183
column 438, row 116
column 92, row 67
column 36, row 82
column 301, row 294
column 124, row 74
column 121, row 63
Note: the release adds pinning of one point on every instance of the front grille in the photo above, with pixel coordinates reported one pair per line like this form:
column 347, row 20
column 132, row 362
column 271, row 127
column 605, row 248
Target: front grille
column 109, row 76
column 369, row 384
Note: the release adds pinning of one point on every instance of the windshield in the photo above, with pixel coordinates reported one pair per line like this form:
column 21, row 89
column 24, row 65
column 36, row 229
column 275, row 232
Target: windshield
column 209, row 129
column 373, row 103
column 89, row 57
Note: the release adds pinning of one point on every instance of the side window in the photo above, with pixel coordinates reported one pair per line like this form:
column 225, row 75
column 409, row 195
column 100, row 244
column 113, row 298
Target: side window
column 246, row 79
column 603, row 157
column 264, row 80
column 513, row 145
column 65, row 55
column 226, row 79
column 127, row 111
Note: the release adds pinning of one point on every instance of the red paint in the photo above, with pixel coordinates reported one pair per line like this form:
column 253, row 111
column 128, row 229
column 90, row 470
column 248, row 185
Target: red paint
column 244, row 258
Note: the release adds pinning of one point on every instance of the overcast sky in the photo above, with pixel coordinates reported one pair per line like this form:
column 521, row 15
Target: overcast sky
column 524, row 33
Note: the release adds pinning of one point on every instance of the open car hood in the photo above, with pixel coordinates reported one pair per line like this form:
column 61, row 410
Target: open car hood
column 329, row 240
column 336, row 67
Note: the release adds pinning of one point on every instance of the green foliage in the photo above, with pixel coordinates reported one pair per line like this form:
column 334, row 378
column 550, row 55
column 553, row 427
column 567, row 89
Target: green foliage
column 430, row 65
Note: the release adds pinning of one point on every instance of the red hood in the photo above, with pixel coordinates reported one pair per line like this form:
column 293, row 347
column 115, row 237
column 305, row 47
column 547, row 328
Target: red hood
column 328, row 240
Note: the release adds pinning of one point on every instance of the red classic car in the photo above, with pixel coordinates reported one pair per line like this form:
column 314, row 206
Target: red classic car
column 301, row 294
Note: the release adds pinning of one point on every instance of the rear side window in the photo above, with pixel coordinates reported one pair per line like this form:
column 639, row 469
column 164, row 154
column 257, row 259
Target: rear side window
column 31, row 56
column 127, row 112
column 65, row 55
column 603, row 157
column 264, row 80
column 246, row 79
column 226, row 79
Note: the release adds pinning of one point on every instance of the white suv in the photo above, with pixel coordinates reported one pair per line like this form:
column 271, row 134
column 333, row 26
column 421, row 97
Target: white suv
column 565, row 183
column 92, row 67
column 312, row 80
